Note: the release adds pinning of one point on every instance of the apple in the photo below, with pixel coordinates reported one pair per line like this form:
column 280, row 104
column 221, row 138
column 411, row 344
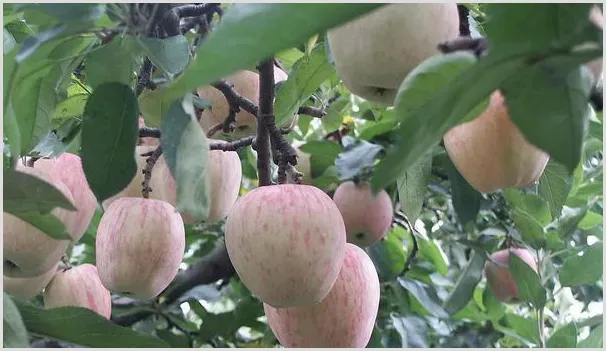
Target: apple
column 375, row 52
column 596, row 66
column 367, row 218
column 287, row 243
column 245, row 83
column 498, row 276
column 67, row 168
column 225, row 179
column 78, row 287
column 491, row 153
column 27, row 288
column 345, row 318
column 139, row 247
column 28, row 251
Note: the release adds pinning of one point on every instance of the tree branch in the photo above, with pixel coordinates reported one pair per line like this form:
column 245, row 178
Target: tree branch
column 597, row 98
column 266, row 110
column 147, row 171
column 463, row 21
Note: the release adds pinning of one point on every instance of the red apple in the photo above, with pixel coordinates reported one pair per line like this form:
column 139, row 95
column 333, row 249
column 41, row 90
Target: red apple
column 67, row 168
column 367, row 218
column 491, row 153
column 498, row 276
column 140, row 245
column 27, row 288
column 78, row 287
column 345, row 318
column 287, row 243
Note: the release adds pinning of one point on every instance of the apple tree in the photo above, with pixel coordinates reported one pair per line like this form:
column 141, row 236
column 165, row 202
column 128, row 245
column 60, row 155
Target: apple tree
column 302, row 175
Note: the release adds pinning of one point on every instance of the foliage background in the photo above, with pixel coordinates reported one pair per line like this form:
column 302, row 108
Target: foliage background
column 433, row 293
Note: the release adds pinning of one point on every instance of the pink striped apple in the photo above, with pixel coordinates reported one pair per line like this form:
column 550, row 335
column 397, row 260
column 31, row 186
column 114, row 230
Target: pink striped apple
column 27, row 288
column 78, row 287
column 287, row 243
column 367, row 218
column 140, row 245
column 67, row 168
column 345, row 318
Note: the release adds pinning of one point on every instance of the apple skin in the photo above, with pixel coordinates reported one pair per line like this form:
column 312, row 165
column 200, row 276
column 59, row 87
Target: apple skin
column 345, row 318
column 500, row 280
column 225, row 179
column 245, row 83
column 67, row 168
column 139, row 247
column 367, row 218
column 375, row 52
column 29, row 252
column 287, row 243
column 78, row 287
column 491, row 153
column 27, row 288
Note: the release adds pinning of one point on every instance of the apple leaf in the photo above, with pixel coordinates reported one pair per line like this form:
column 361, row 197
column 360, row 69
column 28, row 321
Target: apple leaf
column 586, row 269
column 524, row 327
column 554, row 186
column 412, row 186
column 563, row 337
column 154, row 107
column 171, row 54
column 74, row 12
column 24, row 192
column 112, row 62
column 595, row 338
column 306, row 76
column 83, row 327
column 465, row 285
column 228, row 47
column 465, row 199
column 428, row 299
column 528, row 282
column 494, row 308
column 186, row 149
column 110, row 131
column 356, row 156
column 388, row 254
column 14, row 333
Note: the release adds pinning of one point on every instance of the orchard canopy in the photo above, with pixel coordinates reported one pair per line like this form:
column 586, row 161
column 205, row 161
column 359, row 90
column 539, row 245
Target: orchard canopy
column 303, row 175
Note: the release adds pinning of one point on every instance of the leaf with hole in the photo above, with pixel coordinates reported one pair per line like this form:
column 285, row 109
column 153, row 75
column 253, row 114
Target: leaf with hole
column 186, row 151
column 109, row 136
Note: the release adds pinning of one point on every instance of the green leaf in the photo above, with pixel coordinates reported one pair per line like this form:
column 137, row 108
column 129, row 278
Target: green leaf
column 14, row 333
column 304, row 79
column 425, row 296
column 465, row 199
column 412, row 186
column 154, row 107
column 375, row 128
column 19, row 30
column 334, row 114
column 569, row 220
column 412, row 329
column 494, row 308
column 74, row 12
column 595, row 338
column 563, row 337
column 388, row 254
column 11, row 132
column 186, row 152
column 430, row 250
column 524, row 327
column 530, row 229
column 84, row 327
column 72, row 107
column 554, row 186
column 586, row 269
column 465, row 286
column 109, row 137
column 113, row 62
column 590, row 220
column 527, row 281
column 24, row 192
column 356, row 157
column 228, row 48
column 170, row 54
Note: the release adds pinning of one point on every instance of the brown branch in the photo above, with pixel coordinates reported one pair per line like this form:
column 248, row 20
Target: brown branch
column 147, row 132
column 266, row 110
column 147, row 171
column 311, row 111
column 234, row 145
column 209, row 269
column 478, row 45
column 463, row 21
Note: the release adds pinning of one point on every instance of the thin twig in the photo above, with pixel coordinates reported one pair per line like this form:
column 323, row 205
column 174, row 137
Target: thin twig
column 415, row 246
column 147, row 171
column 234, row 145
column 463, row 21
column 266, row 110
